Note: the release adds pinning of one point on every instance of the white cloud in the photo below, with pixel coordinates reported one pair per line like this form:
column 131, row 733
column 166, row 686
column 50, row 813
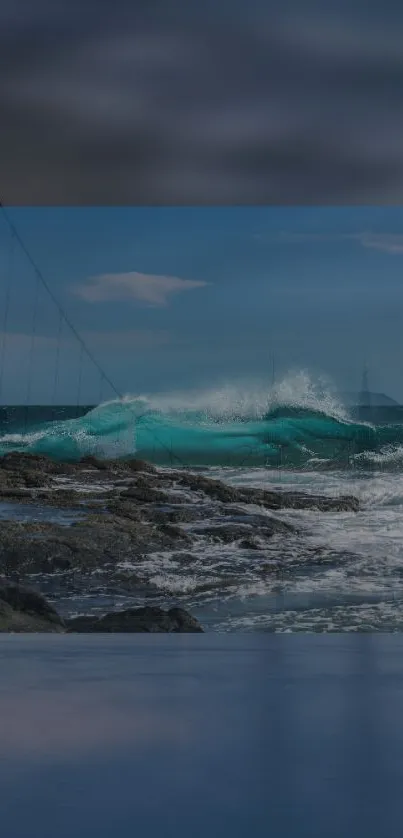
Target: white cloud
column 388, row 242
column 147, row 288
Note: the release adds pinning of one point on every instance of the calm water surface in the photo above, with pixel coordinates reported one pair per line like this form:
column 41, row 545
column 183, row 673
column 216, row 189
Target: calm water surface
column 238, row 735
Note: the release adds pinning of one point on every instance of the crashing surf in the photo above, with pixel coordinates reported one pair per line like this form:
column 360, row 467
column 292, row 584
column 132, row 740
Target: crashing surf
column 297, row 424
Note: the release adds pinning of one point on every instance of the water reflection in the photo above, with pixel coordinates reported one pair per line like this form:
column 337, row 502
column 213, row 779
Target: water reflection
column 237, row 735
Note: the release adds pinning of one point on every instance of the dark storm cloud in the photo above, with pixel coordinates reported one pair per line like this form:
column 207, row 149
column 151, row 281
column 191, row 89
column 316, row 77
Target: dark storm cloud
column 152, row 102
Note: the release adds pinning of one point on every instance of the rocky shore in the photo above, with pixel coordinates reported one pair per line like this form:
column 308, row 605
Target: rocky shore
column 23, row 610
column 119, row 513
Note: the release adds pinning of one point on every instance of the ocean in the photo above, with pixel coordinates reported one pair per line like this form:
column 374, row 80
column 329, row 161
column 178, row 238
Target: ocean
column 339, row 571
column 296, row 737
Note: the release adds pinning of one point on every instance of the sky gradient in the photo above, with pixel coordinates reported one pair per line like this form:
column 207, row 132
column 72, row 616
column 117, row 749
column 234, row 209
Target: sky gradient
column 179, row 298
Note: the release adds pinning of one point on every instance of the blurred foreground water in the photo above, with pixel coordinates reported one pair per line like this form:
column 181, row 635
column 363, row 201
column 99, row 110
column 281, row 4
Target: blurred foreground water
column 238, row 735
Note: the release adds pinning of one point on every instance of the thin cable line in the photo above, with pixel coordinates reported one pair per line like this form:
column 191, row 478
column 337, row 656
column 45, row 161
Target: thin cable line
column 72, row 328
column 6, row 313
column 57, row 360
column 56, row 302
column 101, row 390
column 80, row 376
column 32, row 348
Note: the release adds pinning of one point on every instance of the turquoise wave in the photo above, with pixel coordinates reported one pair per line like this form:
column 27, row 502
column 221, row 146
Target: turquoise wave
column 283, row 436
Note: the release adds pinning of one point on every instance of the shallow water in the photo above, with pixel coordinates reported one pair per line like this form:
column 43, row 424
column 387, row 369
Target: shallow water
column 340, row 572
column 36, row 513
column 201, row 735
column 344, row 571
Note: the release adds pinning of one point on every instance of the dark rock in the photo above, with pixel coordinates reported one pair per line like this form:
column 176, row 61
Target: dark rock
column 229, row 532
column 214, row 488
column 148, row 619
column 25, row 610
column 181, row 515
column 33, row 480
column 127, row 466
column 93, row 462
column 175, row 532
column 144, row 494
column 125, row 509
column 297, row 500
column 250, row 543
column 34, row 548
column 29, row 475
column 138, row 512
column 15, row 492
column 20, row 462
column 139, row 465
column 263, row 497
column 96, row 541
column 99, row 541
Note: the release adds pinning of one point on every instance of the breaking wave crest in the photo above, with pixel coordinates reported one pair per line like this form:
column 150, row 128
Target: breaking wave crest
column 298, row 424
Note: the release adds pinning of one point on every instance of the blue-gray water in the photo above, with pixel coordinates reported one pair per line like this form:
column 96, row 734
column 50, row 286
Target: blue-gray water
column 241, row 736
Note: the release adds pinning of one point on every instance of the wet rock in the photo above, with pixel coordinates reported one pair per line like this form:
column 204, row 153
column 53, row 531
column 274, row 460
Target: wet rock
column 250, row 543
column 15, row 492
column 125, row 509
column 132, row 510
column 25, row 610
column 122, row 465
column 42, row 548
column 29, row 475
column 144, row 494
column 229, row 533
column 175, row 532
column 32, row 470
column 33, row 480
column 295, row 500
column 148, row 619
column 213, row 488
column 93, row 462
column 179, row 515
column 138, row 465
column 262, row 497
column 20, row 463
column 97, row 541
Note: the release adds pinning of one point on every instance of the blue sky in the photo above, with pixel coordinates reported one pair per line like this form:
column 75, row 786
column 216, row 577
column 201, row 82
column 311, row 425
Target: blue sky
column 176, row 298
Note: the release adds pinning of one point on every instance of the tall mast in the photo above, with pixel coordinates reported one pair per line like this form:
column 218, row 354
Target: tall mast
column 365, row 397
